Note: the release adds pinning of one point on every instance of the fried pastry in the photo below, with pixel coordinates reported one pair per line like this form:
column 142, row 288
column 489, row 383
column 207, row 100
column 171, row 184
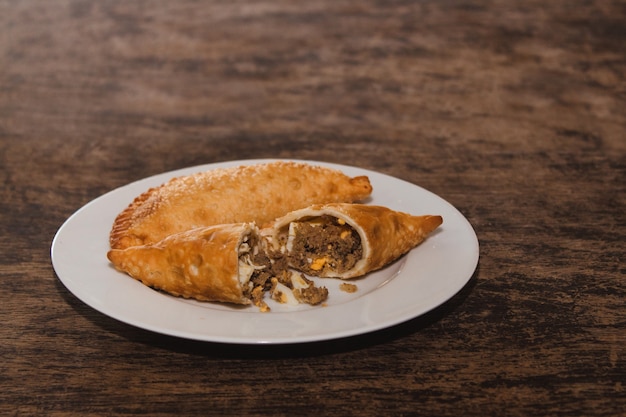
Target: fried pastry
column 347, row 240
column 226, row 263
column 256, row 193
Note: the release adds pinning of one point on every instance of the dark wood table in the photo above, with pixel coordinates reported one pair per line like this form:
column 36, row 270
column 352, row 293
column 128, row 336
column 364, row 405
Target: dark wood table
column 514, row 112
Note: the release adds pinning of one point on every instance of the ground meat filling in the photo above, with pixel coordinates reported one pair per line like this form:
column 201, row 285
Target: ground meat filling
column 269, row 270
column 323, row 246
column 265, row 268
column 311, row 295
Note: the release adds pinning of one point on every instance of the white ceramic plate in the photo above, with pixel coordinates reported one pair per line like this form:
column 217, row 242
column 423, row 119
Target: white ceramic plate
column 423, row 279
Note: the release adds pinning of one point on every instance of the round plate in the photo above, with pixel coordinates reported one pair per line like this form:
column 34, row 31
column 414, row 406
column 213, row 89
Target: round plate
column 421, row 280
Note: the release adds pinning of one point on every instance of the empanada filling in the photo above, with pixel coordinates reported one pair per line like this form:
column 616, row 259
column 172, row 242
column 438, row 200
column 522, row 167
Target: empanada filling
column 322, row 245
column 263, row 271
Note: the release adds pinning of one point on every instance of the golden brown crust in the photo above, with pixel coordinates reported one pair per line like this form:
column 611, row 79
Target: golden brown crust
column 385, row 234
column 256, row 193
column 202, row 263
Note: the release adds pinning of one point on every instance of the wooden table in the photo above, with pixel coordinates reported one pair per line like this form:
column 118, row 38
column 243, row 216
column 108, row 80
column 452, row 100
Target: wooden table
column 514, row 113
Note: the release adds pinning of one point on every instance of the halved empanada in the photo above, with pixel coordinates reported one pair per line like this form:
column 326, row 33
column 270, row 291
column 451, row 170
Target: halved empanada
column 256, row 193
column 347, row 240
column 227, row 263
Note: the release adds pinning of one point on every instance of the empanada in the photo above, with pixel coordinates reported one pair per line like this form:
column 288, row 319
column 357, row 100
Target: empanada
column 347, row 240
column 225, row 263
column 256, row 193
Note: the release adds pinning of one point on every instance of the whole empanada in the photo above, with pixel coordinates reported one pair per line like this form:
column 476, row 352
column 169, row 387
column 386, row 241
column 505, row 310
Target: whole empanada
column 347, row 240
column 255, row 193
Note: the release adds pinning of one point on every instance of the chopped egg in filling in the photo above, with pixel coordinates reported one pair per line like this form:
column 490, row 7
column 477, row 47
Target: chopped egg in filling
column 283, row 294
column 262, row 272
column 246, row 266
column 322, row 246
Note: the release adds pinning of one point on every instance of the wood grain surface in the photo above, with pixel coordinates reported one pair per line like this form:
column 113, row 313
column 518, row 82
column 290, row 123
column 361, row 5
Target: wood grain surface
column 515, row 112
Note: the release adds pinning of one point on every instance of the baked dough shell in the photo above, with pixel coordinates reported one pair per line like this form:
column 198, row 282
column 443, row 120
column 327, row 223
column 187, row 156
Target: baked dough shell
column 202, row 263
column 385, row 234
